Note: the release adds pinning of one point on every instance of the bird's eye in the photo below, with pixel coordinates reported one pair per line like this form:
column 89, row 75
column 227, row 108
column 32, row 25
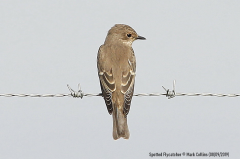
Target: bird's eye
column 129, row 35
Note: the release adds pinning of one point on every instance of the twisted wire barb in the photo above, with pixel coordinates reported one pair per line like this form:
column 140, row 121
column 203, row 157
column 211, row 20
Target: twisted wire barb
column 80, row 94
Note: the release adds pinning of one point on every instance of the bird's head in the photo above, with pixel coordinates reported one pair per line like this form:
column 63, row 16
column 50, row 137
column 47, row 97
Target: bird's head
column 122, row 33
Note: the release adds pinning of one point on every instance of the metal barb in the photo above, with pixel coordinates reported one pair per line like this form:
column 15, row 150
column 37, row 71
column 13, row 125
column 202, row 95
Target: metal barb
column 76, row 94
column 170, row 94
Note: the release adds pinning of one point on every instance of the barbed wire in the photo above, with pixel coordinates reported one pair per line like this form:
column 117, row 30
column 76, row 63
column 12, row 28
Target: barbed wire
column 138, row 95
column 80, row 94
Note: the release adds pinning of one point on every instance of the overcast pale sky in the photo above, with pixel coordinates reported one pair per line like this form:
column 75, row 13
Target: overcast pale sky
column 47, row 44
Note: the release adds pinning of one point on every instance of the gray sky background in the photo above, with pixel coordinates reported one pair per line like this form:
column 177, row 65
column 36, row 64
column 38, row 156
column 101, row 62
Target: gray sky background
column 45, row 45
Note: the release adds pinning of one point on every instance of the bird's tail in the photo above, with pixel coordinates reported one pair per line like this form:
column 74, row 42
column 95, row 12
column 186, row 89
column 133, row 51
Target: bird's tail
column 120, row 127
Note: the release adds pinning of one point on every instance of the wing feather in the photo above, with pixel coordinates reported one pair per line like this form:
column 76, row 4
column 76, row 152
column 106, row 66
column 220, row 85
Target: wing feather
column 128, row 80
column 107, row 82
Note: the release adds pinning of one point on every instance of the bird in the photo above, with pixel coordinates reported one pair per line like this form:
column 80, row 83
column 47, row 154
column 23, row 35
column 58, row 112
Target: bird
column 116, row 65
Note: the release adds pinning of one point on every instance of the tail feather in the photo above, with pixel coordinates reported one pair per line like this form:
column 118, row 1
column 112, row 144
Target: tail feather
column 120, row 127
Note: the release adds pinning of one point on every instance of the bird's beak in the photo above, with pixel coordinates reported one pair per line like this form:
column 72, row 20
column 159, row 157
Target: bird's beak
column 141, row 38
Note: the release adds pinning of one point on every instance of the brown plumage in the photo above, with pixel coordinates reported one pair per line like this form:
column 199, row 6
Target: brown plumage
column 116, row 64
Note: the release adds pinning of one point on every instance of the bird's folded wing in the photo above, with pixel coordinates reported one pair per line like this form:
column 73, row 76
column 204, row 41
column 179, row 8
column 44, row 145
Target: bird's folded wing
column 128, row 79
column 108, row 86
column 106, row 79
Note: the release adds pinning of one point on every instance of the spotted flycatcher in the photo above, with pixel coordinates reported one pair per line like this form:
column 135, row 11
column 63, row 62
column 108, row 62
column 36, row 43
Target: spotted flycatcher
column 116, row 64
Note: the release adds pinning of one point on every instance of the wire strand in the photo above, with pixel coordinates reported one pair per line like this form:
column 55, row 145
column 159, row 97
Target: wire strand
column 137, row 95
column 79, row 94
